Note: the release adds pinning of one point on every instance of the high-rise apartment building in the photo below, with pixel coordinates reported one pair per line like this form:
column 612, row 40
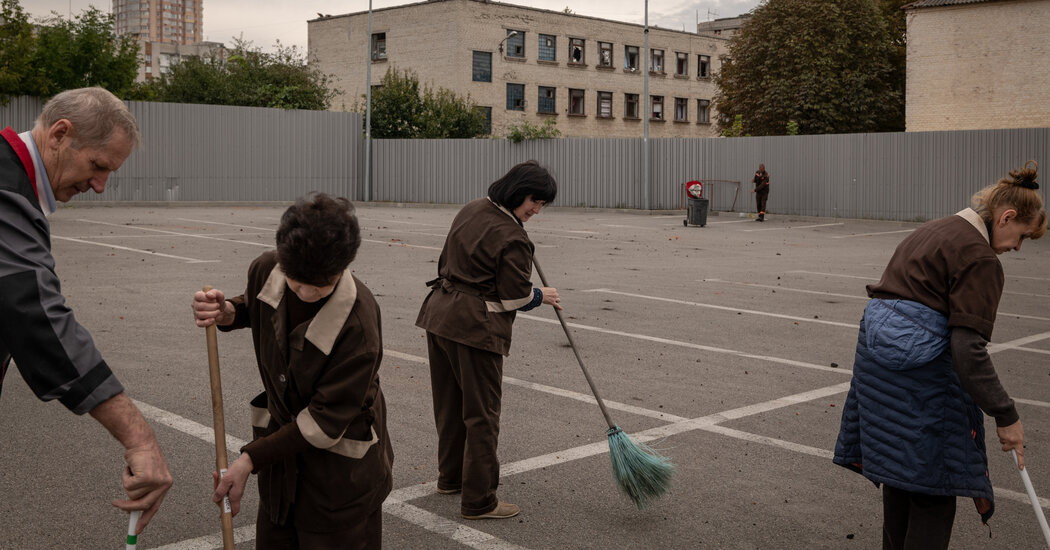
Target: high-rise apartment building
column 165, row 30
column 170, row 21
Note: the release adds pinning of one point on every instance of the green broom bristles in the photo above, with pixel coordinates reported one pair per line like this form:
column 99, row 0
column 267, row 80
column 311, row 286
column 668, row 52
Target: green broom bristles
column 642, row 473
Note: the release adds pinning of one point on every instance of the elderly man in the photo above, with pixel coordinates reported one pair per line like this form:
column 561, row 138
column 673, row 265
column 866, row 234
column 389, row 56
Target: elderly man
column 80, row 137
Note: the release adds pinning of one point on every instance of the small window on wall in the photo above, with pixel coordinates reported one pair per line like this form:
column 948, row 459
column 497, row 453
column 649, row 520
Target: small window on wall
column 703, row 66
column 681, row 109
column 548, row 47
column 605, row 105
column 515, row 97
column 545, row 103
column 482, row 67
column 681, row 67
column 577, row 53
column 487, row 111
column 576, row 102
column 515, row 43
column 703, row 111
column 630, row 106
column 656, row 63
column 656, row 111
column 378, row 46
column 605, row 55
column 630, row 58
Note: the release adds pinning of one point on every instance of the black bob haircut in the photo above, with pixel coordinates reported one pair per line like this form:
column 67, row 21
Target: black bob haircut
column 318, row 238
column 527, row 178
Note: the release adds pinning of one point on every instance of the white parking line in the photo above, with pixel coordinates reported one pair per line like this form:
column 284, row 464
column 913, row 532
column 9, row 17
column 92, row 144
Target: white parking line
column 782, row 228
column 374, row 241
column 872, row 234
column 177, row 233
column 724, row 308
column 150, row 252
column 778, row 360
column 785, row 289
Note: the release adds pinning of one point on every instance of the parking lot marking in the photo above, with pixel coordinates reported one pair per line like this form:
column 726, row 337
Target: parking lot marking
column 150, row 252
column 241, row 534
column 872, row 234
column 782, row 228
column 434, row 523
column 691, row 345
column 586, row 398
column 177, row 233
column 786, row 289
column 723, row 308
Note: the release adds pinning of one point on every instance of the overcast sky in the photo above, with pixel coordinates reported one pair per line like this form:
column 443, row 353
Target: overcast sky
column 264, row 21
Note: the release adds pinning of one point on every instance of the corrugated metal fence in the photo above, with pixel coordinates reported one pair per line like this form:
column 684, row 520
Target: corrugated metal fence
column 215, row 153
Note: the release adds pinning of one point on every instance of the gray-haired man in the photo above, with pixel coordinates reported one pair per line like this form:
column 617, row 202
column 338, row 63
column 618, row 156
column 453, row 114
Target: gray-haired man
column 80, row 137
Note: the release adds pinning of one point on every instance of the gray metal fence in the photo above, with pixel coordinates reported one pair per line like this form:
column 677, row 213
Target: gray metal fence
column 217, row 153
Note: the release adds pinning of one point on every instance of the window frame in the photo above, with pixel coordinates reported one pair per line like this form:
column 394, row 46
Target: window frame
column 655, row 54
column 553, row 48
column 513, row 106
column 473, row 66
column 629, row 101
column 603, row 48
column 681, row 67
column 577, row 98
column 703, row 66
column 553, row 100
column 627, row 57
column 655, row 100
column 604, row 96
column 683, row 103
column 574, row 45
column 378, row 53
column 703, row 111
column 516, row 41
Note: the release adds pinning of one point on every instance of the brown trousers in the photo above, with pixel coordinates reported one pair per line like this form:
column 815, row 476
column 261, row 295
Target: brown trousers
column 366, row 534
column 466, row 384
column 760, row 201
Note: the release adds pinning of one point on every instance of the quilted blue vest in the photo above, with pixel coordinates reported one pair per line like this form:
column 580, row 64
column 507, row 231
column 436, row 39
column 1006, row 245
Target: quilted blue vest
column 907, row 421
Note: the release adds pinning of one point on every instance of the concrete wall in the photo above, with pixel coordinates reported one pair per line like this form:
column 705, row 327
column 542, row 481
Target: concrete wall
column 978, row 66
column 436, row 40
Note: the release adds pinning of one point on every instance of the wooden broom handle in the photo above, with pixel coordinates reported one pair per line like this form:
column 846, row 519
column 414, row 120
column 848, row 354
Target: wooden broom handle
column 219, row 423
column 587, row 375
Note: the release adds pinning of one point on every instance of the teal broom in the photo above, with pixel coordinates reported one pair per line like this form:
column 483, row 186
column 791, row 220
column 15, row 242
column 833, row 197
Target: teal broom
column 642, row 473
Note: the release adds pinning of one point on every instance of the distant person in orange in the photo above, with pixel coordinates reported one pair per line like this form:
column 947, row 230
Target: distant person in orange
column 761, row 191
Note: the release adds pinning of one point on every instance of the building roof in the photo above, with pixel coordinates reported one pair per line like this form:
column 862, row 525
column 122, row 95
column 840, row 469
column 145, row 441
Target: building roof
column 938, row 3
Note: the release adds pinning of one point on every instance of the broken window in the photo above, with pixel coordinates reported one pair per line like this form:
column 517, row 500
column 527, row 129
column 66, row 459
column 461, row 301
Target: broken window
column 630, row 106
column 576, row 102
column 515, row 43
column 548, row 47
column 656, row 61
column 630, row 58
column 605, row 104
column 515, row 97
column 378, row 46
column 605, row 56
column 703, row 66
column 576, row 50
column 703, row 111
column 681, row 109
column 681, row 67
column 545, row 104
column 656, row 111
column 482, row 67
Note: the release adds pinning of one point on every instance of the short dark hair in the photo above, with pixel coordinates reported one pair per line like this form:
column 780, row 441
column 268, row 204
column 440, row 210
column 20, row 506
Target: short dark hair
column 318, row 237
column 527, row 178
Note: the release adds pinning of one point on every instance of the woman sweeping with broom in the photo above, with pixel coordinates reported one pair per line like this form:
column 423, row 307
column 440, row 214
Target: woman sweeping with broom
column 484, row 277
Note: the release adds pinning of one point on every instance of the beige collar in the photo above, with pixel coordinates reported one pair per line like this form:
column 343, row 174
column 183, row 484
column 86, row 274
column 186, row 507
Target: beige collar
column 325, row 326
column 505, row 211
column 970, row 215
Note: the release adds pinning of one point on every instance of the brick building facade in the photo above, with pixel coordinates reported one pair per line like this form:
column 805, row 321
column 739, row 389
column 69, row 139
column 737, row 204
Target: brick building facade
column 978, row 64
column 523, row 63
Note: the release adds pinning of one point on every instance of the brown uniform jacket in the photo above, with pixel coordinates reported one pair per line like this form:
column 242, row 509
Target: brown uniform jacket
column 321, row 445
column 485, row 272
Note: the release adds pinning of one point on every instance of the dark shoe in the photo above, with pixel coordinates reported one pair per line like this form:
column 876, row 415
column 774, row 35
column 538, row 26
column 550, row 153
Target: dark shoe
column 503, row 510
column 448, row 491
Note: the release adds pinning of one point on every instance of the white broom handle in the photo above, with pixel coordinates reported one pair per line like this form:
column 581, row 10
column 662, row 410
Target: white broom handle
column 1034, row 499
column 133, row 521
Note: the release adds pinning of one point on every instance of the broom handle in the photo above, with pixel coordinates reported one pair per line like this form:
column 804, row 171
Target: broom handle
column 587, row 375
column 1034, row 499
column 220, row 429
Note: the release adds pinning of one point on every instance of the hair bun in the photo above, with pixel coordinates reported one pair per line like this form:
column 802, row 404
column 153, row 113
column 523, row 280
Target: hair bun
column 1026, row 176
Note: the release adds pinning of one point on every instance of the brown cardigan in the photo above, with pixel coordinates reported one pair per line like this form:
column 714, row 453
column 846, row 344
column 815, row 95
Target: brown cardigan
column 321, row 445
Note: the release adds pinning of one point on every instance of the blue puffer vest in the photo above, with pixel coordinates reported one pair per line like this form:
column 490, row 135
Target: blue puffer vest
column 907, row 421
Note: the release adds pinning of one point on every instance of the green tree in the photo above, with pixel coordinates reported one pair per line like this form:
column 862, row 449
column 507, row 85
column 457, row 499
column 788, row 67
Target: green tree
column 63, row 54
column 402, row 108
column 526, row 130
column 828, row 65
column 247, row 76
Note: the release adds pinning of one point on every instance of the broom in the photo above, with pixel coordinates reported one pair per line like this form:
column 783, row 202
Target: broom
column 641, row 472
column 1034, row 500
column 219, row 425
